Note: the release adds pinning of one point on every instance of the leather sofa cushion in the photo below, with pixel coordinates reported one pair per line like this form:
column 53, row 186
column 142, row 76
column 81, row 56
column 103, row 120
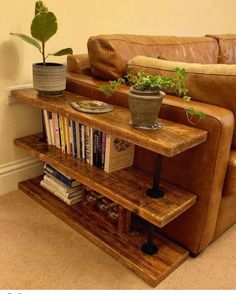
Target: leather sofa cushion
column 230, row 179
column 227, row 48
column 109, row 54
column 78, row 64
column 209, row 83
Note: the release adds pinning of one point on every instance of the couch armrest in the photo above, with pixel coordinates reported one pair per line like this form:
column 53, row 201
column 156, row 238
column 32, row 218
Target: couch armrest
column 200, row 170
column 79, row 64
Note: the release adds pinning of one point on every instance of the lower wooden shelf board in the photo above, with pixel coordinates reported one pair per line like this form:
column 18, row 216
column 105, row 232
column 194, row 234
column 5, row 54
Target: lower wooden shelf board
column 126, row 187
column 125, row 248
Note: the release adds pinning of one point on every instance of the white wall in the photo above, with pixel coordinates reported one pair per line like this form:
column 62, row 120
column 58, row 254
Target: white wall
column 77, row 20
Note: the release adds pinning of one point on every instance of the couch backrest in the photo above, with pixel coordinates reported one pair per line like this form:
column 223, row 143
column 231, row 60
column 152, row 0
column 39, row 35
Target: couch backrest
column 209, row 83
column 227, row 48
column 108, row 54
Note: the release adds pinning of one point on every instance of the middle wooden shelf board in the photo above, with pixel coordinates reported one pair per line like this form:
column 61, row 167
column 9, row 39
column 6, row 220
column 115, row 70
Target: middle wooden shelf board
column 126, row 187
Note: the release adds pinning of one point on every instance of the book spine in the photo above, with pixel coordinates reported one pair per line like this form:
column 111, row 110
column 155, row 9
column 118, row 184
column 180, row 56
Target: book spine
column 77, row 130
column 62, row 132
column 95, row 147
column 70, row 135
column 51, row 127
column 56, row 130
column 104, row 135
column 67, row 135
column 100, row 149
column 58, row 175
column 82, row 143
column 107, row 152
column 46, row 120
column 74, row 142
column 87, row 144
column 91, row 145
column 59, row 129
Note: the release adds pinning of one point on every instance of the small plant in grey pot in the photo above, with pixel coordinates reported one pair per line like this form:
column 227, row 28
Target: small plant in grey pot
column 146, row 95
column 48, row 78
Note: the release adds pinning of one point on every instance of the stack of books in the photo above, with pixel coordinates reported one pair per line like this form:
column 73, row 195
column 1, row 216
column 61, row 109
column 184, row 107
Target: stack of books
column 68, row 190
column 91, row 145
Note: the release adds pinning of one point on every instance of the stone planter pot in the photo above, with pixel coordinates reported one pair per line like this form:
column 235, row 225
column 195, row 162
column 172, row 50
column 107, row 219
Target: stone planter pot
column 49, row 79
column 145, row 108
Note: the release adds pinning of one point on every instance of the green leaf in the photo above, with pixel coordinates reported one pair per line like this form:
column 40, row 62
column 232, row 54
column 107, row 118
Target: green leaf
column 44, row 26
column 40, row 7
column 64, row 51
column 28, row 40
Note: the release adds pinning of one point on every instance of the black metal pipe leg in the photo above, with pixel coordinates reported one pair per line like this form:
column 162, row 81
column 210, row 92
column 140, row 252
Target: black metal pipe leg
column 155, row 191
column 149, row 248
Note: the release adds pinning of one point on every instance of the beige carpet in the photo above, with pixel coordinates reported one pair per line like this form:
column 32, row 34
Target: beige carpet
column 39, row 251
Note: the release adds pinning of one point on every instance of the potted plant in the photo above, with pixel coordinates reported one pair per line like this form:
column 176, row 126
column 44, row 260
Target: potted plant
column 48, row 78
column 146, row 95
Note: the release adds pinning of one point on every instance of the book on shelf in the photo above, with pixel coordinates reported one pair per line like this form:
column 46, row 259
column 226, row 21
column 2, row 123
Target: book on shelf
column 60, row 187
column 47, row 126
column 62, row 134
column 68, row 181
column 119, row 154
column 69, row 201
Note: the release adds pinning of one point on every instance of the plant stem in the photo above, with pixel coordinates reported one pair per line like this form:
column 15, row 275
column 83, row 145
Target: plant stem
column 43, row 52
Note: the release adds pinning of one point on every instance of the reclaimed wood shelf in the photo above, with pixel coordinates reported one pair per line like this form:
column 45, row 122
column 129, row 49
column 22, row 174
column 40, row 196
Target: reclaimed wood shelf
column 126, row 187
column 171, row 140
column 124, row 248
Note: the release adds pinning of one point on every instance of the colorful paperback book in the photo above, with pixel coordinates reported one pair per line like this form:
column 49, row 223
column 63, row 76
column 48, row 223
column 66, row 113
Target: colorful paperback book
column 56, row 130
column 47, row 126
column 87, row 144
column 119, row 154
column 51, row 127
column 91, row 145
column 62, row 132
column 73, row 135
column 77, row 130
column 82, row 132
column 97, row 148
column 67, row 135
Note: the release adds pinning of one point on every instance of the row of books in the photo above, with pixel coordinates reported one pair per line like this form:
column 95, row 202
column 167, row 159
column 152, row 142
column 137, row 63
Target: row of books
column 68, row 190
column 89, row 144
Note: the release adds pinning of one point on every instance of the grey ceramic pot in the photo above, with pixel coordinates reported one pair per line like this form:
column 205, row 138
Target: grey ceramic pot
column 144, row 107
column 49, row 79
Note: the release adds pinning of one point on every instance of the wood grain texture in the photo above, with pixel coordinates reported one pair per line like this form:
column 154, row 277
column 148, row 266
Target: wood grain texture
column 172, row 139
column 126, row 187
column 124, row 248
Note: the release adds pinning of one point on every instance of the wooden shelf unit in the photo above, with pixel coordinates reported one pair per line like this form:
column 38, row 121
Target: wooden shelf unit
column 124, row 248
column 126, row 187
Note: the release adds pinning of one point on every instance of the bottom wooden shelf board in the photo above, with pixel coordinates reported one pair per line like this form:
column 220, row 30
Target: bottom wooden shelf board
column 123, row 247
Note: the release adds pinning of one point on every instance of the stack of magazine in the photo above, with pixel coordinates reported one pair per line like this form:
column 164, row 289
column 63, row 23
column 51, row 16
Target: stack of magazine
column 68, row 190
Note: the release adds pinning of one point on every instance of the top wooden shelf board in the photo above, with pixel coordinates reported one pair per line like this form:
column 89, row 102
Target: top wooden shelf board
column 172, row 139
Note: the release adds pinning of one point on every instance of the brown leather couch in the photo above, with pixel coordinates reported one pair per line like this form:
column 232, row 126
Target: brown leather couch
column 208, row 170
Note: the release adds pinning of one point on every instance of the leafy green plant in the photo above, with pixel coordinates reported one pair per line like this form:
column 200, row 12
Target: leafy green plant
column 146, row 82
column 43, row 27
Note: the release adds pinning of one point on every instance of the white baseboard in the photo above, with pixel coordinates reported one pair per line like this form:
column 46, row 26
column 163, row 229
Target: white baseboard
column 16, row 171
